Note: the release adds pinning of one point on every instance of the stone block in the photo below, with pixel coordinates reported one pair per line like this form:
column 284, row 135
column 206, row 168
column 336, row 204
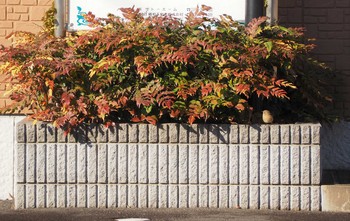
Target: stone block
column 163, row 133
column 244, row 165
column 102, row 196
column 285, row 134
column 203, row 130
column 41, row 133
column 132, row 196
column 132, row 163
column 91, row 163
column 143, row 163
column 264, row 165
column 244, row 196
column 153, row 164
column 173, row 164
column 234, row 134
column 122, row 133
column 305, row 134
column 102, row 134
column 275, row 134
column 112, row 196
column 30, row 196
column 153, row 133
column 275, row 197
column 133, row 133
column 203, row 164
column 30, row 163
column 102, row 163
column 214, row 133
column 173, row 196
column 122, row 163
column 223, row 164
column 81, row 163
column 143, row 196
column 264, row 197
column 275, row 165
column 213, row 196
column 244, row 134
column 254, row 165
column 183, row 164
column 233, row 166
column 13, row 2
column 254, row 199
column 51, row 193
column 163, row 163
column 193, row 196
column 143, row 133
column 183, row 196
column 213, row 164
column 31, row 133
column 71, row 196
column 173, row 131
column 92, row 196
column 41, row 163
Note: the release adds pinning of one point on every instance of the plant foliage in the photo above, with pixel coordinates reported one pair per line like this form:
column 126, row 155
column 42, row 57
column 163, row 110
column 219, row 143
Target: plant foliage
column 161, row 69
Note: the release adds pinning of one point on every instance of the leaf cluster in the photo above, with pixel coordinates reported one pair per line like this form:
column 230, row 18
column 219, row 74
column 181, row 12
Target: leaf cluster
column 161, row 69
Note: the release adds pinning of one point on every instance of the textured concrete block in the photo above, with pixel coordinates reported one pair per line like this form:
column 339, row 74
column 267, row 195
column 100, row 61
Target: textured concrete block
column 102, row 196
column 234, row 134
column 143, row 133
column 275, row 167
column 61, row 196
column 244, row 196
column 143, row 163
column 122, row 196
column 113, row 134
column 254, row 199
column 51, row 194
column 132, row 163
column 295, row 134
column 223, row 164
column 20, row 201
column 71, row 196
column 183, row 196
column 183, row 164
column 305, row 165
column 143, row 196
column 40, row 196
column 132, row 196
column 153, row 134
column 285, row 198
column 213, row 196
column 163, row 163
column 82, row 194
column 264, row 197
column 244, row 134
column 133, row 133
column 305, row 134
column 21, row 132
column 305, row 198
column 102, row 134
column 41, row 163
column 92, row 196
column 81, row 163
column 203, row 196
column 316, row 198
column 224, row 133
column 61, row 136
column 163, row 196
column 285, row 134
column 41, row 133
column 112, row 196
column 91, row 163
column 122, row 133
column 214, row 133
column 213, row 164
column 193, row 164
column 315, row 165
column 51, row 163
column 184, row 130
column 30, row 193
column 244, row 164
column 275, row 134
column 203, row 130
column 193, row 196
column 71, row 163
column 233, row 165
column 275, row 197
column 21, row 163
column 285, row 165
column 112, row 163
column 315, row 134
column 295, row 165
column 233, row 196
column 163, row 133
column 173, row 131
column 31, row 163
column 254, row 165
column 51, row 133
column 203, row 164
column 153, row 164
column 264, row 165
column 122, row 163
column 31, row 133
column 265, row 134
column 295, row 198
column 173, row 196
column 254, row 134
column 193, row 134
column 102, row 163
column 173, row 164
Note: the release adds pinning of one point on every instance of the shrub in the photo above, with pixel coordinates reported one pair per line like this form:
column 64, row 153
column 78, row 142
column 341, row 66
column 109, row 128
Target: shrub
column 160, row 69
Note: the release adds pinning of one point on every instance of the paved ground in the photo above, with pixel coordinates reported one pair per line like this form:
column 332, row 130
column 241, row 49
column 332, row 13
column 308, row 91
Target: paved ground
column 8, row 214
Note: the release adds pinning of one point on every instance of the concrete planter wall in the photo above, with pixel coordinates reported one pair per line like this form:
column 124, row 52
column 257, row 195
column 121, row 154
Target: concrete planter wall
column 170, row 165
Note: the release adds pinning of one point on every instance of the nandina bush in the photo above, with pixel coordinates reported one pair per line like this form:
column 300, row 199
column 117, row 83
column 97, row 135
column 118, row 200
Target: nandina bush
column 161, row 69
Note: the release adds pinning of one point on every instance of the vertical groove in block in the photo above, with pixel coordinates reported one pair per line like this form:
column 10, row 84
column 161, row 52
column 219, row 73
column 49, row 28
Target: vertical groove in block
column 112, row 191
column 72, row 163
column 21, row 132
column 275, row 197
column 183, row 164
column 193, row 196
column 305, row 198
column 193, row 134
column 254, row 199
column 244, row 134
column 265, row 165
column 92, row 196
column 295, row 198
column 233, row 196
column 224, row 133
column 112, row 163
column 315, row 198
column 193, row 164
column 143, row 196
column 184, row 130
column 295, row 134
column 173, row 164
column 122, row 163
column 275, row 167
column 173, row 196
column 295, row 165
column 21, row 163
column 203, row 164
column 173, row 133
column 143, row 133
column 82, row 194
column 213, row 133
column 113, row 134
column 265, row 134
column 223, row 196
column 133, row 133
column 163, row 163
column 264, row 197
column 81, row 163
column 183, row 196
column 244, row 196
column 285, row 165
column 91, row 163
column 163, row 134
column 285, row 134
column 61, row 196
column 153, row 164
column 143, row 163
column 213, row 164
column 275, row 134
column 122, row 133
column 30, row 193
column 41, row 133
column 203, row 130
column 31, row 163
column 234, row 164
column 234, row 134
column 41, row 163
column 31, row 133
column 254, row 165
column 315, row 134
column 315, row 165
column 153, row 133
column 163, row 196
column 102, row 163
column 203, row 196
column 305, row 134
column 132, row 164
column 223, row 164
column 244, row 164
column 132, row 196
column 102, row 196
column 71, row 196
column 305, row 165
column 51, row 196
column 20, row 202
column 213, row 196
column 254, row 134
column 285, row 198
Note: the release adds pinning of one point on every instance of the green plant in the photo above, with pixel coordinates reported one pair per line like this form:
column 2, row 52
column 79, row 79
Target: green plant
column 160, row 69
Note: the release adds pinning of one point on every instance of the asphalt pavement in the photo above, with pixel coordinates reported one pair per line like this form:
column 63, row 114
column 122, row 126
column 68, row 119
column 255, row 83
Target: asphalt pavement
column 7, row 213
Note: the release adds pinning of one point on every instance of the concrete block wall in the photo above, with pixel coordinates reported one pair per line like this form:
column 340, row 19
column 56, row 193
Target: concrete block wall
column 170, row 165
column 328, row 22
